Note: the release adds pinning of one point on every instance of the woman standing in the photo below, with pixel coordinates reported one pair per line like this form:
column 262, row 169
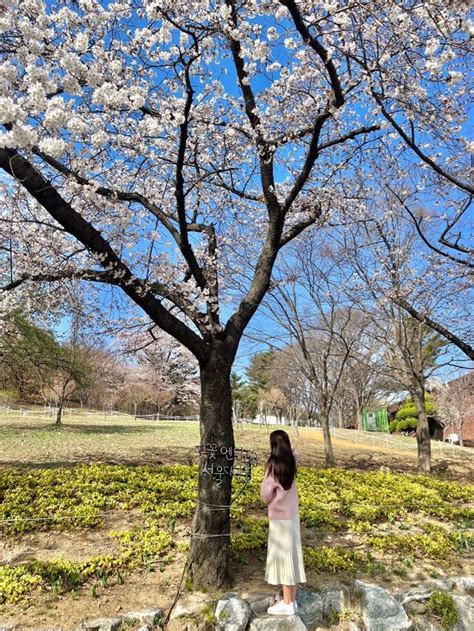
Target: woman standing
column 284, row 554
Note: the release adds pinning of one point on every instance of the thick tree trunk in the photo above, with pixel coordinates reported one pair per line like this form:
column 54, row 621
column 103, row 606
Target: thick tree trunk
column 330, row 461
column 209, row 562
column 422, row 432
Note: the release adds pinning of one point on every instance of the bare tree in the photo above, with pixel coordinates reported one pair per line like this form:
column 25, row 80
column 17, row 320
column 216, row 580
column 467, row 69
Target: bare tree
column 380, row 257
column 323, row 329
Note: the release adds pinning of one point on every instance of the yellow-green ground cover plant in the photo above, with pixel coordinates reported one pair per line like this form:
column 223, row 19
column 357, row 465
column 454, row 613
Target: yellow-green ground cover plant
column 387, row 514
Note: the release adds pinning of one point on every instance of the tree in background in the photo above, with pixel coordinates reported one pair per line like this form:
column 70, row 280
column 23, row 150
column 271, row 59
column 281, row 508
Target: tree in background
column 323, row 328
column 406, row 417
column 224, row 129
column 258, row 369
column 244, row 398
column 56, row 370
column 454, row 404
column 381, row 255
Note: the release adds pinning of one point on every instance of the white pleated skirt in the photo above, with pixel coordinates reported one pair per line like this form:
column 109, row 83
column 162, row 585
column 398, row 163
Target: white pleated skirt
column 284, row 553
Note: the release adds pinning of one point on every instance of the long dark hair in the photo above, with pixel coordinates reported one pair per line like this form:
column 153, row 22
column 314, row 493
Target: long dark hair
column 281, row 463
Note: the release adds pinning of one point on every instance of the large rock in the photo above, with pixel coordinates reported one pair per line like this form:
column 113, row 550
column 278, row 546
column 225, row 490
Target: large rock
column 380, row 611
column 232, row 613
column 277, row 623
column 148, row 616
column 310, row 608
column 259, row 602
column 334, row 599
column 465, row 584
column 439, row 584
column 417, row 594
column 465, row 609
column 101, row 624
column 189, row 605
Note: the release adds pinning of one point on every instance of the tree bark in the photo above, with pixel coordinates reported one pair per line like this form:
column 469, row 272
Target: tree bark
column 330, row 461
column 359, row 424
column 422, row 431
column 59, row 415
column 209, row 561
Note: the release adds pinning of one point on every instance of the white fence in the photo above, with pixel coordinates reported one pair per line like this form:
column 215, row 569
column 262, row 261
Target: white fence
column 48, row 412
column 387, row 441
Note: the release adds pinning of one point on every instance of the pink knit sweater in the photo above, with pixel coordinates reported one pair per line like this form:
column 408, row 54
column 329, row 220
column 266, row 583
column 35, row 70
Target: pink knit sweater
column 281, row 504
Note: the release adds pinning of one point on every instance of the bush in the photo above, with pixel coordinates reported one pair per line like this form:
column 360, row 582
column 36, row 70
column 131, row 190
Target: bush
column 407, row 410
column 409, row 423
column 442, row 606
column 392, row 426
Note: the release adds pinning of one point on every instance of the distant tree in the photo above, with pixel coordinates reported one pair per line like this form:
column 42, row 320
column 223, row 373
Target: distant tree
column 258, row 369
column 454, row 403
column 53, row 369
column 167, row 371
column 244, row 397
column 70, row 371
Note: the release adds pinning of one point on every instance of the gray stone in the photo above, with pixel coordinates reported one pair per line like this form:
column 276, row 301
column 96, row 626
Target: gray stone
column 232, row 613
column 465, row 584
column 277, row 623
column 414, row 595
column 439, row 584
column 101, row 624
column 189, row 605
column 8, row 628
column 416, row 607
column 334, row 599
column 260, row 602
column 380, row 610
column 148, row 616
column 310, row 608
column 146, row 627
column 465, row 609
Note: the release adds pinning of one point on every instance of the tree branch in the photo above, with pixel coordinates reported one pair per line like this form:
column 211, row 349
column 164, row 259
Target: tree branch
column 416, row 223
column 439, row 328
column 448, row 176
column 298, row 228
column 184, row 244
column 15, row 165
column 319, row 49
column 251, row 110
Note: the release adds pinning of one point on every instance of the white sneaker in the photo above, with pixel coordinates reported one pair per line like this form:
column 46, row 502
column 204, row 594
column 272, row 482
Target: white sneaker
column 282, row 609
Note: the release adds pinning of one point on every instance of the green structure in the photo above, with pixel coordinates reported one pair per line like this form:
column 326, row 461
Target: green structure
column 375, row 420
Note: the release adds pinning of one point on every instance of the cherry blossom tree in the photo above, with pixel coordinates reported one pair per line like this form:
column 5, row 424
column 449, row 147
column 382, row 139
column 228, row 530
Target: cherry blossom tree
column 170, row 150
column 164, row 368
column 386, row 270
column 454, row 404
